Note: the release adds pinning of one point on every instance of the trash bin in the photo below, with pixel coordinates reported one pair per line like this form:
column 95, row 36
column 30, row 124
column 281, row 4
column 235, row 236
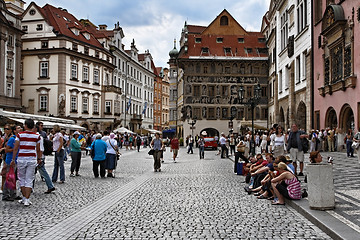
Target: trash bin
column 320, row 183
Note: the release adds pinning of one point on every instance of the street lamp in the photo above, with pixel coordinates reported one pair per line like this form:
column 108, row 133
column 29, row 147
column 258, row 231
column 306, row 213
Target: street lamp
column 192, row 122
column 252, row 103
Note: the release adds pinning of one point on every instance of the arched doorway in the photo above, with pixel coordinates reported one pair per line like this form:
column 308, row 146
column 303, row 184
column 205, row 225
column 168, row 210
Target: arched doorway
column 301, row 116
column 211, row 132
column 281, row 118
column 346, row 118
column 331, row 118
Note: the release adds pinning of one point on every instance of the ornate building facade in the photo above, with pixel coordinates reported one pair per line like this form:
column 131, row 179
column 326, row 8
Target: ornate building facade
column 10, row 59
column 287, row 28
column 158, row 99
column 336, row 64
column 215, row 61
column 165, row 99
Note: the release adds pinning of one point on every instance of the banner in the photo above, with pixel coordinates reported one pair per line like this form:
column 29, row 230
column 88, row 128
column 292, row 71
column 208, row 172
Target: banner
column 128, row 105
column 145, row 106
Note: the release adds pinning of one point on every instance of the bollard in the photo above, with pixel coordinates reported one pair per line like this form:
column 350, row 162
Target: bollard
column 320, row 183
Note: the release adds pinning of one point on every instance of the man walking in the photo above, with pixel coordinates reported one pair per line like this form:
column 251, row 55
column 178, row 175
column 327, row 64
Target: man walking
column 28, row 144
column 295, row 147
column 174, row 147
column 224, row 149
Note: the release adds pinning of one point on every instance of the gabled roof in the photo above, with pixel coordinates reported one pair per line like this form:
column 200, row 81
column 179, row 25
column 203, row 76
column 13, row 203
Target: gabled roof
column 63, row 21
column 195, row 29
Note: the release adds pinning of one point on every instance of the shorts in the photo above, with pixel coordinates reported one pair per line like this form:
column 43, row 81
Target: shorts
column 282, row 188
column 26, row 172
column 296, row 155
column 175, row 152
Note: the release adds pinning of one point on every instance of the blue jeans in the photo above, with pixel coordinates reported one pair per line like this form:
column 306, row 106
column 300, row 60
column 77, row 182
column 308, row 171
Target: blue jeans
column 45, row 175
column 349, row 149
column 201, row 151
column 59, row 163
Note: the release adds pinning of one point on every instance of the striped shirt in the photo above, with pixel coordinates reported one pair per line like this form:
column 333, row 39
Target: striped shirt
column 27, row 147
column 294, row 188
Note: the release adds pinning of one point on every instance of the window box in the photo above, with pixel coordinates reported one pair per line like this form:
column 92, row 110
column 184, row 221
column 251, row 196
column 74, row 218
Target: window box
column 74, row 79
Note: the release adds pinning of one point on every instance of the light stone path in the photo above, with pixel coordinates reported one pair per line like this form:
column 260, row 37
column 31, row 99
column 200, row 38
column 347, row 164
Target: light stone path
column 191, row 199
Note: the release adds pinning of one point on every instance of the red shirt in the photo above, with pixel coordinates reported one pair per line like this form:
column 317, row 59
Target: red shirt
column 174, row 143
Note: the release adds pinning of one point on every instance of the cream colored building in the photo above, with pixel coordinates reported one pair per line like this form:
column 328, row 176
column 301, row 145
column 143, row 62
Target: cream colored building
column 66, row 71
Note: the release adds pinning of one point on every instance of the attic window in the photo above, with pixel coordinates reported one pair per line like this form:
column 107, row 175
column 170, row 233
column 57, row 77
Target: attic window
column 32, row 12
column 224, row 21
column 205, row 50
column 87, row 36
column 198, row 40
column 75, row 31
column 66, row 19
column 261, row 40
column 39, row 27
column 227, row 50
column 219, row 40
column 248, row 50
column 241, row 40
column 44, row 44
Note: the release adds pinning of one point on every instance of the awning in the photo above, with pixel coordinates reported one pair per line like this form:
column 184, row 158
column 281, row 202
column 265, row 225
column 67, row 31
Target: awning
column 123, row 130
column 48, row 124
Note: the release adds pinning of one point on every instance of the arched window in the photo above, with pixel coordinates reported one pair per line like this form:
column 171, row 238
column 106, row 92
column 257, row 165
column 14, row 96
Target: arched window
column 224, row 21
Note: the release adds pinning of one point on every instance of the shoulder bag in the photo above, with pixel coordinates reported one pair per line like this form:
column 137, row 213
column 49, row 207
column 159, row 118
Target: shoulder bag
column 116, row 152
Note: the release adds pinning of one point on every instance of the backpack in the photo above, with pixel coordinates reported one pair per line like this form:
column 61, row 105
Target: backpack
column 48, row 147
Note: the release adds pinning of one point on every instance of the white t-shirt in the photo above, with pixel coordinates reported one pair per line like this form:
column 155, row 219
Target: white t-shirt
column 222, row 140
column 110, row 149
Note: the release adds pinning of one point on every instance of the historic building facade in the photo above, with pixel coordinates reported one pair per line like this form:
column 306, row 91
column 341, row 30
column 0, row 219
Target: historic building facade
column 158, row 99
column 66, row 70
column 336, row 64
column 10, row 59
column 215, row 61
column 165, row 98
column 288, row 35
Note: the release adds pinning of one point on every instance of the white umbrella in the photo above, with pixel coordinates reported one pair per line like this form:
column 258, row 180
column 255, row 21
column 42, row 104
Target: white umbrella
column 123, row 130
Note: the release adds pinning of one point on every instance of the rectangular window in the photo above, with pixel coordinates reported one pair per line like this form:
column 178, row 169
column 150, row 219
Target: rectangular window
column 303, row 68
column 96, row 106
column 97, row 54
column 73, row 104
column 39, row 27
column 219, row 40
column 280, row 81
column 198, row 40
column 43, row 104
column 44, row 69
column 85, row 105
column 227, row 50
column 10, row 41
column 298, row 69
column 261, row 40
column 86, row 50
column 10, row 64
column 241, row 40
column 96, row 76
column 74, row 73
column 301, row 15
column 204, row 50
column 85, row 74
column 74, row 47
column 284, row 30
column 107, row 106
column 45, row 44
column 9, row 90
column 25, row 28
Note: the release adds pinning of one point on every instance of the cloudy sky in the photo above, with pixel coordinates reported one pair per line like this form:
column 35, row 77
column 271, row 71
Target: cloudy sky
column 155, row 23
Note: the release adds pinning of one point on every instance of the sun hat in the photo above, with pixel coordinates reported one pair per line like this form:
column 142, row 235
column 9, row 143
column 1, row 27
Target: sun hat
column 76, row 133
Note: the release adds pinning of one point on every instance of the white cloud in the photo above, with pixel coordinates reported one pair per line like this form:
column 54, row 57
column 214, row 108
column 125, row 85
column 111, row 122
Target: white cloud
column 155, row 23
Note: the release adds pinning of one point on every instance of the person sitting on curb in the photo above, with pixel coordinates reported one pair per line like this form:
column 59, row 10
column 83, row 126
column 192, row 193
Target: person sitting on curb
column 261, row 162
column 262, row 172
column 286, row 185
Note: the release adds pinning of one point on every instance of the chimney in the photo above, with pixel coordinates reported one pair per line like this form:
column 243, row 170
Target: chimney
column 103, row 27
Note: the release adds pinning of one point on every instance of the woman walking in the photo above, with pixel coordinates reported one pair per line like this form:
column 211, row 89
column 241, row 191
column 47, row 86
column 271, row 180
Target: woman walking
column 59, row 155
column 158, row 146
column 75, row 147
column 111, row 155
column 278, row 145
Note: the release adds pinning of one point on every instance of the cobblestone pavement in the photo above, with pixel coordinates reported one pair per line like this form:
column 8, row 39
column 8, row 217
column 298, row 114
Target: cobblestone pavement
column 190, row 199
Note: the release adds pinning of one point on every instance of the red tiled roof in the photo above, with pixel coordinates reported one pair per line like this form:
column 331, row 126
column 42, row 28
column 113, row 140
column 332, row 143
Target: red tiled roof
column 141, row 56
column 62, row 21
column 195, row 29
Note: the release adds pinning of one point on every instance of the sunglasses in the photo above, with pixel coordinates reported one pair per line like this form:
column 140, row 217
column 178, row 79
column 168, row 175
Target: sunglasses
column 6, row 128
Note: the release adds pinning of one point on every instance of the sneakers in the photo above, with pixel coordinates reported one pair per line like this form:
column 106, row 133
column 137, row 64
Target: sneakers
column 72, row 175
column 27, row 202
column 22, row 200
column 300, row 174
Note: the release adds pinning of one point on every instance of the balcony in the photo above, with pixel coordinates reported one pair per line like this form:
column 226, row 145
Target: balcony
column 136, row 117
column 112, row 88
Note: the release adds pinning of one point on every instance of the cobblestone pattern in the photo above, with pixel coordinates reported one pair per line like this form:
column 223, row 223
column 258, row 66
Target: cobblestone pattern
column 47, row 210
column 197, row 199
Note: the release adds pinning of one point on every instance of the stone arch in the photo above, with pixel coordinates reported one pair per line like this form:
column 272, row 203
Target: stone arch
column 288, row 118
column 281, row 117
column 85, row 125
column 301, row 116
column 346, row 118
column 331, row 118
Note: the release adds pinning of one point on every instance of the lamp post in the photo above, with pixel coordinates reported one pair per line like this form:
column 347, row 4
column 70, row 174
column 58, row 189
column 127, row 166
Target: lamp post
column 252, row 103
column 192, row 122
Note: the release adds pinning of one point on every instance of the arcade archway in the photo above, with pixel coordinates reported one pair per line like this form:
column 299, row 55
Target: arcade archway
column 301, row 116
column 331, row 118
column 211, row 132
column 346, row 118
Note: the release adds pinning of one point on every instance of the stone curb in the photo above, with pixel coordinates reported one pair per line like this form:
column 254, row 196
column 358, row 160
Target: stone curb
column 332, row 226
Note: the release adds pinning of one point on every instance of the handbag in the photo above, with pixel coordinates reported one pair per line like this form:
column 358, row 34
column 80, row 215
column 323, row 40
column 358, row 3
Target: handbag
column 355, row 145
column 241, row 148
column 10, row 181
column 151, row 152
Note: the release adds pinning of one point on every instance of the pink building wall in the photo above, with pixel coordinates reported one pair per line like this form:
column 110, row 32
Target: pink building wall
column 338, row 99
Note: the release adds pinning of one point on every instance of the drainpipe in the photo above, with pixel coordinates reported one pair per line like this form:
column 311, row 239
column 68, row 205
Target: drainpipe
column 312, row 70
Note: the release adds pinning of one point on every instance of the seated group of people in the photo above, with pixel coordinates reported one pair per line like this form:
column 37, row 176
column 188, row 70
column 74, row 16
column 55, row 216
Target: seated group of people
column 272, row 179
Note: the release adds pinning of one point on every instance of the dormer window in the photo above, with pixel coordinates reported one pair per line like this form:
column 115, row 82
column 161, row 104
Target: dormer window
column 39, row 27
column 75, row 31
column 219, row 40
column 87, row 36
column 32, row 12
column 198, row 40
column 227, row 50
